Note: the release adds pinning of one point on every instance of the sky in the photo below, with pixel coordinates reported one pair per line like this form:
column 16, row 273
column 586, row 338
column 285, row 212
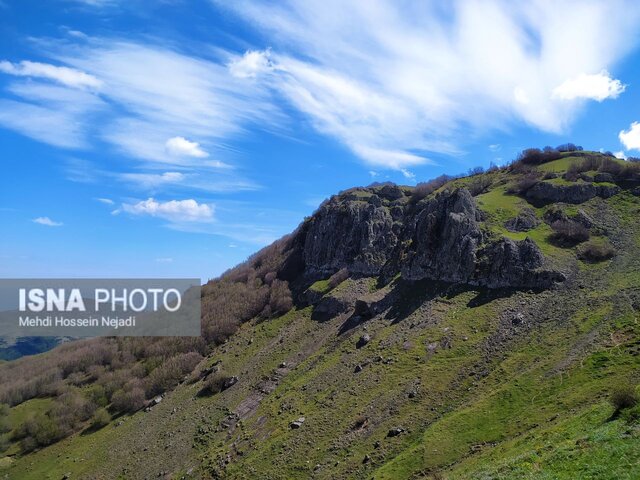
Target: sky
column 175, row 138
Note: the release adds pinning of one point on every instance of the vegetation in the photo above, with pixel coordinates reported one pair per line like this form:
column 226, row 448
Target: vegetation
column 596, row 251
column 624, row 397
column 567, row 233
column 101, row 418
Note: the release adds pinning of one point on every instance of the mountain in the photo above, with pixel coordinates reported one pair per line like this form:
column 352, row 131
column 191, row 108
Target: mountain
column 474, row 327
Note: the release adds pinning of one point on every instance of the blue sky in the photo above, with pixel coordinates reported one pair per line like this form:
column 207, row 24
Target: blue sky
column 175, row 138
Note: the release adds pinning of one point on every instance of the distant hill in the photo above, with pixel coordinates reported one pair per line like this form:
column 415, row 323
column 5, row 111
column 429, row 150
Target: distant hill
column 483, row 326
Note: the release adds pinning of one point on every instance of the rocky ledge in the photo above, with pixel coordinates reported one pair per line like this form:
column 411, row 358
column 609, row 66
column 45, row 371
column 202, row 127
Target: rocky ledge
column 377, row 231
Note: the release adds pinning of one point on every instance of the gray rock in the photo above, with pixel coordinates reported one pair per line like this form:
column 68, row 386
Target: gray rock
column 297, row 423
column 604, row 177
column 329, row 307
column 525, row 221
column 545, row 192
column 363, row 340
column 438, row 239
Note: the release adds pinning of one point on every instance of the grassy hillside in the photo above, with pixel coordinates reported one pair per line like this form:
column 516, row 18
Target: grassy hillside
column 450, row 382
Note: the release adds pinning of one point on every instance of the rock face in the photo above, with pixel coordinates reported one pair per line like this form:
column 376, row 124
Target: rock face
column 444, row 238
column 377, row 232
column 545, row 192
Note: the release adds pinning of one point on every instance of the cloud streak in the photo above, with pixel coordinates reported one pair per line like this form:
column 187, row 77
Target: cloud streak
column 47, row 222
column 64, row 75
column 395, row 82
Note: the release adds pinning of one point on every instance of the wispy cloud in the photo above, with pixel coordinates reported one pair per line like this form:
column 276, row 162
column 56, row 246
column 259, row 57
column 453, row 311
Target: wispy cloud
column 64, row 75
column 47, row 222
column 396, row 81
column 106, row 201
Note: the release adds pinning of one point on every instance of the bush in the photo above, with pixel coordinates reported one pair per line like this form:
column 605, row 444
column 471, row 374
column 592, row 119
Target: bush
column 5, row 424
column 280, row 300
column 100, row 418
column 567, row 233
column 39, row 430
column 524, row 183
column 171, row 372
column 569, row 147
column 479, row 185
column 596, row 252
column 624, row 397
column 215, row 383
column 128, row 401
column 535, row 156
column 424, row 189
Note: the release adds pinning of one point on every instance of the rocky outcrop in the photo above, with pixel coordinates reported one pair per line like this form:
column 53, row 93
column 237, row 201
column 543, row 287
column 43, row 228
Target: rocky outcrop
column 444, row 238
column 376, row 232
column 523, row 222
column 543, row 193
column 359, row 234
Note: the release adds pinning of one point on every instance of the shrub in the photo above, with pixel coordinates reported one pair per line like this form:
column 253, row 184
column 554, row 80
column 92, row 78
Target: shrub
column 39, row 430
column 100, row 418
column 624, row 397
column 424, row 189
column 128, row 401
column 535, row 156
column 96, row 394
column 524, row 183
column 280, row 300
column 5, row 424
column 338, row 277
column 171, row 372
column 479, row 185
column 567, row 233
column 215, row 383
column 596, row 251
column 569, row 147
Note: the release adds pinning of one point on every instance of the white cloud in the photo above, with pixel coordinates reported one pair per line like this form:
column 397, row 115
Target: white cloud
column 69, row 77
column 496, row 147
column 106, row 201
column 394, row 81
column 631, row 138
column 621, row 155
column 151, row 180
column 407, row 174
column 177, row 211
column 251, row 64
column 180, row 146
column 599, row 87
column 47, row 221
column 164, row 260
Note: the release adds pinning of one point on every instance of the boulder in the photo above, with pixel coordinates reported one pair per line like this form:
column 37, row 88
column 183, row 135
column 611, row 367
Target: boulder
column 394, row 432
column 525, row 221
column 363, row 309
column 328, row 308
column 297, row 423
column 363, row 340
